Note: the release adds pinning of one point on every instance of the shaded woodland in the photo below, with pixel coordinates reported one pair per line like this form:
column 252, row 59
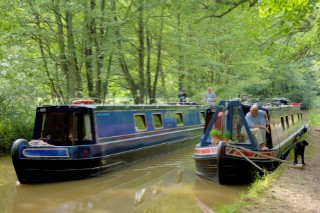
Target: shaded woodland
column 144, row 51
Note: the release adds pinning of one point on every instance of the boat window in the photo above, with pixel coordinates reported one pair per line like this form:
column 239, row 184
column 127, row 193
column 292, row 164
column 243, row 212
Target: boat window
column 202, row 117
column 140, row 122
column 82, row 132
column 292, row 118
column 287, row 121
column 45, row 132
column 58, row 133
column 282, row 123
column 66, row 129
column 157, row 121
column 179, row 119
column 87, row 127
column 52, row 129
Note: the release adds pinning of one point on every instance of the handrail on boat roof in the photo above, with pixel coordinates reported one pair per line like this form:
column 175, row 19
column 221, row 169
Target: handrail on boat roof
column 117, row 104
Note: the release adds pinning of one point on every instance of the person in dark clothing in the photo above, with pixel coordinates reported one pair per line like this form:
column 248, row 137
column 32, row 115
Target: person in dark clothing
column 182, row 96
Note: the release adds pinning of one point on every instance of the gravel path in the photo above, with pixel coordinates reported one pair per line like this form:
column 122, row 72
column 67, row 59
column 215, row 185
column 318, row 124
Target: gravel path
column 296, row 190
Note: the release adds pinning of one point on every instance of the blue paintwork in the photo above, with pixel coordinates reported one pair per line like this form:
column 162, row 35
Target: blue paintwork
column 45, row 152
column 228, row 106
column 115, row 141
column 122, row 123
column 212, row 161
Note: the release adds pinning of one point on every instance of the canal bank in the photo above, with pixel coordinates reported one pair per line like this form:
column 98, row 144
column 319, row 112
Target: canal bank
column 288, row 189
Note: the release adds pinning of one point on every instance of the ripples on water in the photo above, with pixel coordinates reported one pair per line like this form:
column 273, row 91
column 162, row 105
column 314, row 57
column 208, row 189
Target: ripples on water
column 164, row 184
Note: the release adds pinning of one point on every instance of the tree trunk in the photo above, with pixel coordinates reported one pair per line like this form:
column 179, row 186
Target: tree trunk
column 159, row 58
column 75, row 89
column 148, row 67
column 55, row 88
column 106, row 82
column 103, row 35
column 122, row 61
column 88, row 52
column 62, row 49
column 181, row 75
column 141, row 50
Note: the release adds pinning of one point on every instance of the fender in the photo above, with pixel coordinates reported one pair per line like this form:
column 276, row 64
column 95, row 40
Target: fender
column 15, row 150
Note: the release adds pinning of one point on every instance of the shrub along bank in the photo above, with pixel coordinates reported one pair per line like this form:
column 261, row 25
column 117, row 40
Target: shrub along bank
column 14, row 124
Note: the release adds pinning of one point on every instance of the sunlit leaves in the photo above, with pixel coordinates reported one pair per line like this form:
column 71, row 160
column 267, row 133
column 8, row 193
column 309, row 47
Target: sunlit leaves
column 293, row 11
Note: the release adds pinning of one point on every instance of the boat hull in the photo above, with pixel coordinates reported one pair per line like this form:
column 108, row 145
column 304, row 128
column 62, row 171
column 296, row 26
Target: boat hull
column 242, row 159
column 35, row 164
column 234, row 168
column 225, row 162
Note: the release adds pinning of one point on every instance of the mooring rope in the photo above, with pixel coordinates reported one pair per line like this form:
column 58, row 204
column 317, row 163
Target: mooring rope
column 253, row 163
column 258, row 153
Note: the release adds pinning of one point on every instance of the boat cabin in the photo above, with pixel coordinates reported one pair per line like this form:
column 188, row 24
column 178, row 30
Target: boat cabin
column 230, row 116
column 81, row 124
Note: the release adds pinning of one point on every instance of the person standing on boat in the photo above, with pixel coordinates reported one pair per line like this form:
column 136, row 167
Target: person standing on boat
column 258, row 121
column 182, row 96
column 210, row 97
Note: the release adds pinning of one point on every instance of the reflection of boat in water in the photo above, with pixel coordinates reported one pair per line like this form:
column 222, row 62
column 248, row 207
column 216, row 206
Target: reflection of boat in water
column 161, row 184
column 129, row 190
column 210, row 195
column 84, row 139
column 240, row 159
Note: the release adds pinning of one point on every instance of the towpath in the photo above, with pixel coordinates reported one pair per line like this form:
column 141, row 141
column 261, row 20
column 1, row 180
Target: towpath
column 296, row 190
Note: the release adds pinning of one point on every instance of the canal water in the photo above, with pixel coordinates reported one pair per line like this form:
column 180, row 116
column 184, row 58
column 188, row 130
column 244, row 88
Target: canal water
column 167, row 183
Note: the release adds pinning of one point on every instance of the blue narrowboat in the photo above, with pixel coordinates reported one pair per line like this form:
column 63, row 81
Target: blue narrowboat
column 239, row 158
column 85, row 139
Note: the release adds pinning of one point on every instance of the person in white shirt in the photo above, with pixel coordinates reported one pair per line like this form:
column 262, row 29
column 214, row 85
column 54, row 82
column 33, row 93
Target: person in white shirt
column 258, row 122
column 210, row 97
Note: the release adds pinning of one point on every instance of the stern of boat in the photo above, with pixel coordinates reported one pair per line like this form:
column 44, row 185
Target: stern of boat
column 16, row 148
column 37, row 161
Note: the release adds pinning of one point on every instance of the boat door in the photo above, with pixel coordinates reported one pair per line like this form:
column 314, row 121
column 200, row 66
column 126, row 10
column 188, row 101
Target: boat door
column 65, row 128
column 54, row 128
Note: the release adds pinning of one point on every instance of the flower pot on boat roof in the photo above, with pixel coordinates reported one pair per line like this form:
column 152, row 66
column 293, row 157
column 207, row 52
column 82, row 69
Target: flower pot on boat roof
column 215, row 135
column 226, row 136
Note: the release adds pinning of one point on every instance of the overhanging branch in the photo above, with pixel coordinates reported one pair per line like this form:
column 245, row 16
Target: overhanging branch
column 235, row 5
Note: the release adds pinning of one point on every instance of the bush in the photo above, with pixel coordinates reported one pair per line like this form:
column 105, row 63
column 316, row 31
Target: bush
column 14, row 126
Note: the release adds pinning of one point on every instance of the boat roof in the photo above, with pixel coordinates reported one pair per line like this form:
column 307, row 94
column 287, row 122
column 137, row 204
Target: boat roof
column 280, row 99
column 129, row 106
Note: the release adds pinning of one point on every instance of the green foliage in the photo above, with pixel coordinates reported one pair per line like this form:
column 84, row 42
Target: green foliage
column 140, row 122
column 14, row 126
column 215, row 132
column 179, row 119
column 227, row 134
column 246, row 51
column 157, row 122
column 145, row 51
column 18, row 98
column 314, row 118
column 291, row 11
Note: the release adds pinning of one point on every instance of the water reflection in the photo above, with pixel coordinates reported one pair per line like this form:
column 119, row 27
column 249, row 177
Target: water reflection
column 164, row 184
column 213, row 195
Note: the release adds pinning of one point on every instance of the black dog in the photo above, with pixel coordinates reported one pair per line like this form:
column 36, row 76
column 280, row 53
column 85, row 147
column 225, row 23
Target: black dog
column 299, row 150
